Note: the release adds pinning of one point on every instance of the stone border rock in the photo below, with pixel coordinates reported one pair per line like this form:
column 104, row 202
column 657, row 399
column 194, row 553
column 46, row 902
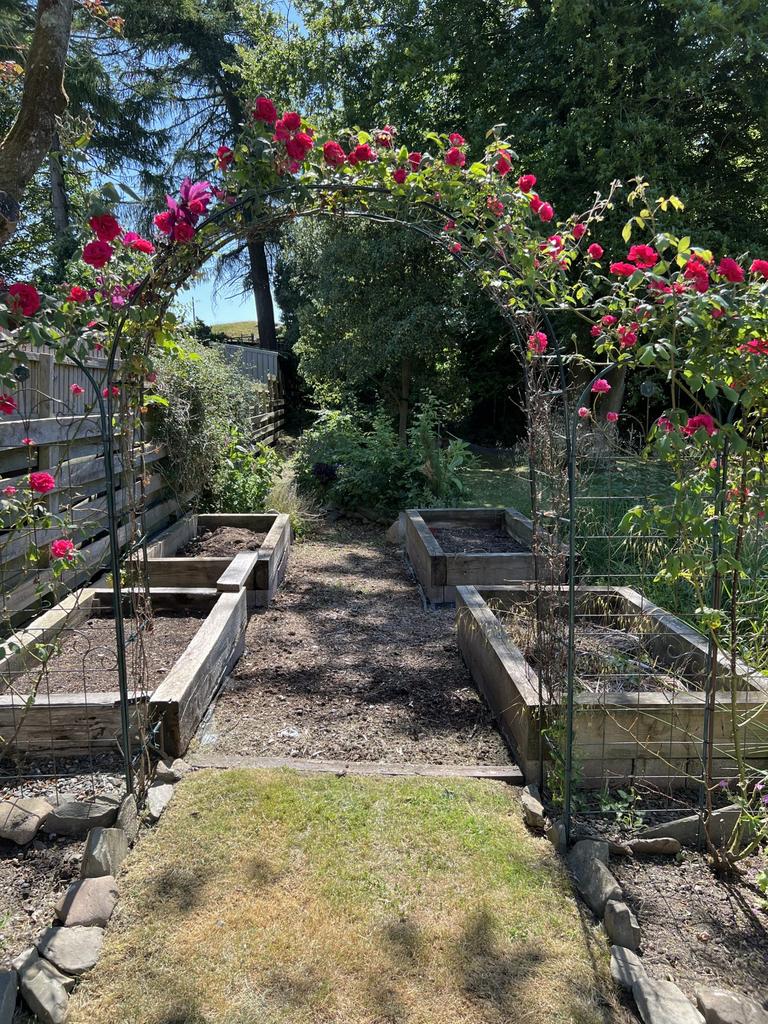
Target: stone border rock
column 44, row 974
column 658, row 1001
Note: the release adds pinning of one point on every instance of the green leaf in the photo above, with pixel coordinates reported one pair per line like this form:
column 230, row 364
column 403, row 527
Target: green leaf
column 626, row 233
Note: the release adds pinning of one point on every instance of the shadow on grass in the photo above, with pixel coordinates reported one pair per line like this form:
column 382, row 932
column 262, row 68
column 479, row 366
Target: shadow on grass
column 486, row 971
column 180, row 888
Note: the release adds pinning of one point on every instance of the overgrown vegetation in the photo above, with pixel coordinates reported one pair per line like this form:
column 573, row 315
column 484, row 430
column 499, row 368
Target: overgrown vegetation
column 354, row 465
column 206, row 428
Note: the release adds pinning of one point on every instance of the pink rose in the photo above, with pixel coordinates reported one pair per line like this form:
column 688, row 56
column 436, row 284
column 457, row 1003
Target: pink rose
column 760, row 268
column 583, row 411
column 63, row 548
column 526, row 182
column 76, row 389
column 133, row 241
column 595, row 251
column 601, row 387
column 456, row 140
column 623, row 269
column 579, row 230
column 455, row 158
column 537, row 343
column 42, row 483
column 546, row 212
column 10, row 490
column 612, row 417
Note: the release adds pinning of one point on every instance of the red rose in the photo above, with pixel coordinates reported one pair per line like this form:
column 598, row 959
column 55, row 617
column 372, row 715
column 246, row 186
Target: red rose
column 608, row 320
column 535, row 203
column 77, row 294
column 77, row 389
column 399, row 175
column 643, row 256
column 759, row 267
column 526, row 182
column 456, row 247
column 730, row 270
column 697, row 273
column 265, row 110
column 546, row 212
column 291, row 120
column 701, row 422
column 183, row 232
column 455, row 158
column 25, row 298
column 133, row 241
column 579, row 230
column 98, row 254
column 595, row 331
column 41, row 482
column 595, row 251
column 456, row 140
column 105, row 227
column 537, row 342
column 383, row 137
column 164, row 222
column 504, row 163
column 298, row 146
column 7, row 405
column 623, row 269
column 414, row 159
column 362, row 153
column 224, row 157
column 333, row 154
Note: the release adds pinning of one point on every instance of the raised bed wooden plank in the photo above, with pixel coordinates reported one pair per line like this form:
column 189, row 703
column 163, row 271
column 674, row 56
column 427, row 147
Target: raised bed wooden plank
column 272, row 560
column 186, row 572
column 63, row 724
column 503, row 773
column 181, row 700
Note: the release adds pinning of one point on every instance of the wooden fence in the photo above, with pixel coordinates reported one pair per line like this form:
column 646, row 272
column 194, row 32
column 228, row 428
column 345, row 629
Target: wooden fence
column 262, row 366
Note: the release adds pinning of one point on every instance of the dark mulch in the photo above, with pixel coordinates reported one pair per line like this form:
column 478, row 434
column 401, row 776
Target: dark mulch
column 87, row 659
column 223, row 541
column 347, row 665
column 476, row 540
column 699, row 930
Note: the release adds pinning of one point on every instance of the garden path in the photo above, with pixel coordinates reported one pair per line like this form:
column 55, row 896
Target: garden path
column 347, row 665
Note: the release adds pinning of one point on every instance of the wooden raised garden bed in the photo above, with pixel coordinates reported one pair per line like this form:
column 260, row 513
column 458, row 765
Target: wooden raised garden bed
column 73, row 708
column 640, row 671
column 450, row 547
column 226, row 552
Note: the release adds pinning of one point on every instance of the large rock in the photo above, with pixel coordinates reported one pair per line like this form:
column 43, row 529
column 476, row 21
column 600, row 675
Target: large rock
column 659, row 846
column 626, row 967
column 44, row 990
column 686, row 830
column 20, row 819
column 158, row 797
column 72, row 950
column 27, row 958
column 533, row 809
column 621, row 925
column 88, row 902
column 722, row 1007
column 76, row 817
column 587, row 862
column 128, row 818
column 171, row 771
column 662, row 1002
column 9, row 983
column 105, row 851
column 556, row 836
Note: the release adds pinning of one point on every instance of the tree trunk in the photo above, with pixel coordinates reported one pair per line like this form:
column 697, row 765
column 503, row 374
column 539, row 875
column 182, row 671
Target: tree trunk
column 404, row 405
column 265, row 312
column 59, row 203
column 26, row 145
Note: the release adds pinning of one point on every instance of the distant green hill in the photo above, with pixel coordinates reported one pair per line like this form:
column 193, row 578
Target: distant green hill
column 237, row 329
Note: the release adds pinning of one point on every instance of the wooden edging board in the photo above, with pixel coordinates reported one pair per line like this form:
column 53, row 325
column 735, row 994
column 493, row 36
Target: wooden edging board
column 439, row 572
column 621, row 737
column 258, row 572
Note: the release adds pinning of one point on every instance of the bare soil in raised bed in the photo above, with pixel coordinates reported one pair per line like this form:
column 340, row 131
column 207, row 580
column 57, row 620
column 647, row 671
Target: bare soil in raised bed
column 347, row 665
column 476, row 540
column 87, row 662
column 223, row 541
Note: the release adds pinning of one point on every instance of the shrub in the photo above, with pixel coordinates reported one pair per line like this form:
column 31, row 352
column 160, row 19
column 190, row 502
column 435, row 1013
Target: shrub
column 356, row 466
column 205, row 427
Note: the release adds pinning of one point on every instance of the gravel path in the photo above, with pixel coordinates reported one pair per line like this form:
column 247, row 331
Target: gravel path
column 347, row 665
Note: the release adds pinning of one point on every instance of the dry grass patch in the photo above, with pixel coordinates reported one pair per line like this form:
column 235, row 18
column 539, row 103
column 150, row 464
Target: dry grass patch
column 276, row 898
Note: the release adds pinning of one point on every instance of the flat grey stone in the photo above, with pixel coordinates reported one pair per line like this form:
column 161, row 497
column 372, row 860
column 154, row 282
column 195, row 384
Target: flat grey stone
column 105, row 851
column 656, row 846
column 722, row 1007
column 533, row 809
column 45, row 991
column 621, row 925
column 20, row 819
column 76, row 817
column 556, row 836
column 128, row 818
column 88, row 902
column 9, row 983
column 171, row 771
column 158, row 796
column 687, row 829
column 662, row 1002
column 587, row 862
column 72, row 950
column 626, row 967
column 27, row 958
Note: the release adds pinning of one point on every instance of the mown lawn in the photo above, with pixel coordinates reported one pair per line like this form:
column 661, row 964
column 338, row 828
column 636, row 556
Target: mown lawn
column 275, row 898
